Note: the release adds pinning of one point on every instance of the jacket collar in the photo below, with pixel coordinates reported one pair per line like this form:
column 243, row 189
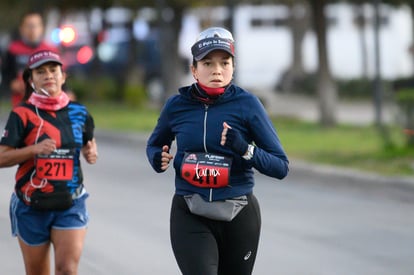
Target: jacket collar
column 187, row 92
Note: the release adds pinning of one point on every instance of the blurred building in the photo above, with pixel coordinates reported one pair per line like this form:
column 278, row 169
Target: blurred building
column 264, row 42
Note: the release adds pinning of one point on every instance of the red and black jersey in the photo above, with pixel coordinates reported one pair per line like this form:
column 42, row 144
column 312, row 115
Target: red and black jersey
column 71, row 127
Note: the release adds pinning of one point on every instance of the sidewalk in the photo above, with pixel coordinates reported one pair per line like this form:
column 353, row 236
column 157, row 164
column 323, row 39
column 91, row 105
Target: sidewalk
column 306, row 108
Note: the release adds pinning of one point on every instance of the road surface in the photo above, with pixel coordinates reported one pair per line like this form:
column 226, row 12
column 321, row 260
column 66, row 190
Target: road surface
column 312, row 223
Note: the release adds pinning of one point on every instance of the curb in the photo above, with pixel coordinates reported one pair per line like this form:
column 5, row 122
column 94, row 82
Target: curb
column 354, row 176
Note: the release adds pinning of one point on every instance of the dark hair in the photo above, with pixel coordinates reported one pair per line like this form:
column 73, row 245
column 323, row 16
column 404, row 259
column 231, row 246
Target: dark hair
column 29, row 13
column 27, row 75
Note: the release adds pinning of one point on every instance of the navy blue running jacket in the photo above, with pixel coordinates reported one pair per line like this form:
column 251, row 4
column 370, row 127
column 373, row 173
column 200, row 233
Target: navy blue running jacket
column 197, row 127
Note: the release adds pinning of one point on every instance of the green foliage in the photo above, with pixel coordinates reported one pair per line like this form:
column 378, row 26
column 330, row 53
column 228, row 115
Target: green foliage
column 355, row 88
column 305, row 84
column 404, row 96
column 350, row 146
column 404, row 91
column 100, row 89
column 135, row 95
column 120, row 117
column 358, row 88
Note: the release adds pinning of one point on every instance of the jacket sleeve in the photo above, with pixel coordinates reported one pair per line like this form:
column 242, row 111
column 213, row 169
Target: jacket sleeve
column 269, row 158
column 161, row 135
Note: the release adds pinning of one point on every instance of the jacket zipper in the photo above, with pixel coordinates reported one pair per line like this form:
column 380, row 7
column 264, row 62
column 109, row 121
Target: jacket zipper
column 205, row 128
column 205, row 142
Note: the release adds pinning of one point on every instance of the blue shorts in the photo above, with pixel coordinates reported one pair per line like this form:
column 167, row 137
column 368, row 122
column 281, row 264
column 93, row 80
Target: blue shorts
column 34, row 227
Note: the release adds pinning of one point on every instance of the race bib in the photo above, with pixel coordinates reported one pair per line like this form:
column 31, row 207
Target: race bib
column 57, row 166
column 206, row 170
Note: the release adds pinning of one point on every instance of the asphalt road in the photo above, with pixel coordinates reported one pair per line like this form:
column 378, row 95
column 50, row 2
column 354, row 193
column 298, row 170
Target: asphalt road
column 313, row 223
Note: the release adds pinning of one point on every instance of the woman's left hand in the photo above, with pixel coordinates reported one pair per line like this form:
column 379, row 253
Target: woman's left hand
column 90, row 151
column 232, row 139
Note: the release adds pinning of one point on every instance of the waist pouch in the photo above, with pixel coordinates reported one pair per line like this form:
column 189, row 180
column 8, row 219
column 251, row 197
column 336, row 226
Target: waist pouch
column 55, row 201
column 225, row 210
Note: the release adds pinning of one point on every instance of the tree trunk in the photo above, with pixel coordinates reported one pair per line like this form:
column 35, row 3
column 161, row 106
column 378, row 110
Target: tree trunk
column 327, row 90
column 378, row 97
column 298, row 23
column 360, row 21
column 411, row 4
column 171, row 66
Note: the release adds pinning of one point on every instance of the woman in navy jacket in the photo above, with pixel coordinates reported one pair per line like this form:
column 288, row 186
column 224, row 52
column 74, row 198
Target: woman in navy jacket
column 222, row 132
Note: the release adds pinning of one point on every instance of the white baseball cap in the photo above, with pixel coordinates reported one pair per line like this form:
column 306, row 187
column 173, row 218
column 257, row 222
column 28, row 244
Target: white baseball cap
column 214, row 38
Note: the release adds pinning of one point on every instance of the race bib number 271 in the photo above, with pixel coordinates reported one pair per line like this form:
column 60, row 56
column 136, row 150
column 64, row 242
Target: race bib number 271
column 206, row 170
column 56, row 166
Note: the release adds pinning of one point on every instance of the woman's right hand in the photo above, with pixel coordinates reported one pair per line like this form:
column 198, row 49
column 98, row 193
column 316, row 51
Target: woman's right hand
column 10, row 156
column 45, row 147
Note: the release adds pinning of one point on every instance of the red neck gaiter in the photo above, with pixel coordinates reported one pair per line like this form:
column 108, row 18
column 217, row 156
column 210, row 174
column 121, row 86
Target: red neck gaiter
column 213, row 92
column 49, row 103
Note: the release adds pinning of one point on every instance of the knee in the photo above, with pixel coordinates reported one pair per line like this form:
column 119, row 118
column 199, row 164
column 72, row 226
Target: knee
column 66, row 268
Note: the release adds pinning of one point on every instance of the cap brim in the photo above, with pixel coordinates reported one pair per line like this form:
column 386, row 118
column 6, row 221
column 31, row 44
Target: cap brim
column 204, row 54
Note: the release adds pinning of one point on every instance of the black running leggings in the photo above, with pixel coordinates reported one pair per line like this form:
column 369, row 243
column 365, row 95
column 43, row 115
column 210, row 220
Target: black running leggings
column 207, row 247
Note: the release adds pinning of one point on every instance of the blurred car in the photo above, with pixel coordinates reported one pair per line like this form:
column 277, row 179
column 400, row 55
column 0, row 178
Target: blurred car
column 75, row 40
column 128, row 39
column 109, row 42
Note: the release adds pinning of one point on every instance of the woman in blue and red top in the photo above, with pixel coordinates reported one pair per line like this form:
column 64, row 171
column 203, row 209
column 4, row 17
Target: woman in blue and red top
column 45, row 136
column 222, row 132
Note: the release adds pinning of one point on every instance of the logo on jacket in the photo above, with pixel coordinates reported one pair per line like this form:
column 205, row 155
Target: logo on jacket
column 192, row 157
